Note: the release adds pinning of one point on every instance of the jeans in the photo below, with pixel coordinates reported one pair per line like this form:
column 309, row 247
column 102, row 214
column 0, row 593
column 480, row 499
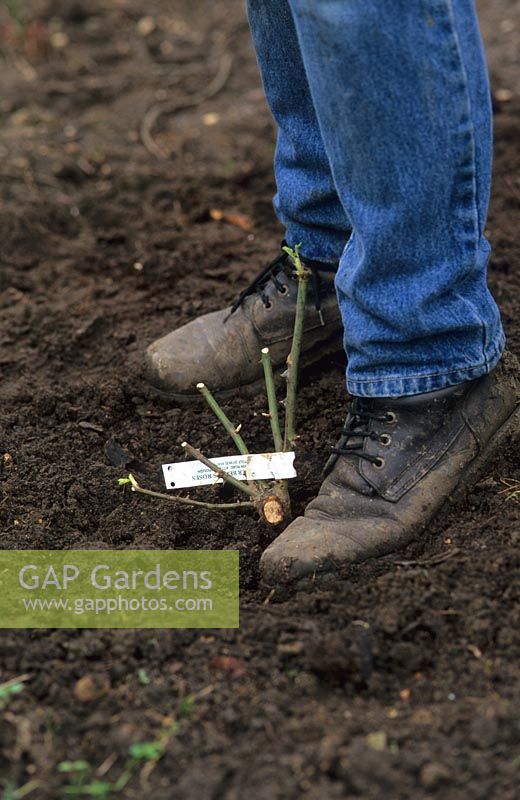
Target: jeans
column 383, row 163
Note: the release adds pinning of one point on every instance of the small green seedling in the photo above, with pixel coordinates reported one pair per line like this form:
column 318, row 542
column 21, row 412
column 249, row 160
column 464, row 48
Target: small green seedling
column 80, row 785
column 99, row 789
column 74, row 767
column 186, row 705
column 269, row 498
column 79, row 772
column 147, row 751
column 9, row 689
column 292, row 673
column 142, row 677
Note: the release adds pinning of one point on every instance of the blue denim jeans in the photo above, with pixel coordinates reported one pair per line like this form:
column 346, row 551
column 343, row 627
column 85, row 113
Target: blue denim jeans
column 383, row 163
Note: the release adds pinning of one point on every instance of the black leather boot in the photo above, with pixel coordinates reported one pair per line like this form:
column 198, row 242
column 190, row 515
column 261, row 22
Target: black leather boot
column 223, row 349
column 397, row 463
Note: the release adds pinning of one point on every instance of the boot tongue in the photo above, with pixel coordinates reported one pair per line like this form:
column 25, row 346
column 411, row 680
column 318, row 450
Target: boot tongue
column 326, row 277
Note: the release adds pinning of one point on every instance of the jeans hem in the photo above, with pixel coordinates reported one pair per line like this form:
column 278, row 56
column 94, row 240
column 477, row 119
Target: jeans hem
column 402, row 386
column 318, row 248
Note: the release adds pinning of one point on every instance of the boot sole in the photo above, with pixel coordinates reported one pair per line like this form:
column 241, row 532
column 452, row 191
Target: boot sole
column 312, row 356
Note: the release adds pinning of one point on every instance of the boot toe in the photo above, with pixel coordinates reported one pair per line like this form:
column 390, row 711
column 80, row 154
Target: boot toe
column 312, row 546
column 306, row 547
column 169, row 368
column 181, row 359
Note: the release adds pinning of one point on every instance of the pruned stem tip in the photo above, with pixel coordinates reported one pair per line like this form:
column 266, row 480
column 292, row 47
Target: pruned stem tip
column 271, row 400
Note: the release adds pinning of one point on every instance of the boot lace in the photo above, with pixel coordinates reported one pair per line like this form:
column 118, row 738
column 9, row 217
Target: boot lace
column 356, row 428
column 271, row 273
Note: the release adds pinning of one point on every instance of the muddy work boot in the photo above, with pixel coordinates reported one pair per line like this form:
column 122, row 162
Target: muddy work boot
column 223, row 349
column 398, row 462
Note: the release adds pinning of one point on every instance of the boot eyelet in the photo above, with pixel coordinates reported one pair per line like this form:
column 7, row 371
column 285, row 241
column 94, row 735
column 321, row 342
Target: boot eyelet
column 379, row 464
column 283, row 290
column 268, row 306
column 385, row 439
column 391, row 417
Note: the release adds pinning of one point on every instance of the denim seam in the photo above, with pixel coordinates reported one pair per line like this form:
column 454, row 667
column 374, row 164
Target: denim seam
column 422, row 375
column 463, row 372
column 392, row 387
column 480, row 225
column 469, row 129
column 388, row 378
column 478, row 222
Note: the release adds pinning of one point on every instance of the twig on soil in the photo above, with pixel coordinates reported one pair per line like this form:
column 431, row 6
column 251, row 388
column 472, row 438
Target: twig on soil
column 512, row 486
column 23, row 66
column 158, row 109
column 25, row 790
column 15, row 681
column 438, row 559
column 269, row 597
column 510, row 183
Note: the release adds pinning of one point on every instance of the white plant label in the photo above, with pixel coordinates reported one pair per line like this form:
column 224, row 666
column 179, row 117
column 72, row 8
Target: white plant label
column 253, row 467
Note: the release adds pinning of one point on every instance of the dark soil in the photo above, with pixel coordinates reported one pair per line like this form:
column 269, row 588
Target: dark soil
column 400, row 680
